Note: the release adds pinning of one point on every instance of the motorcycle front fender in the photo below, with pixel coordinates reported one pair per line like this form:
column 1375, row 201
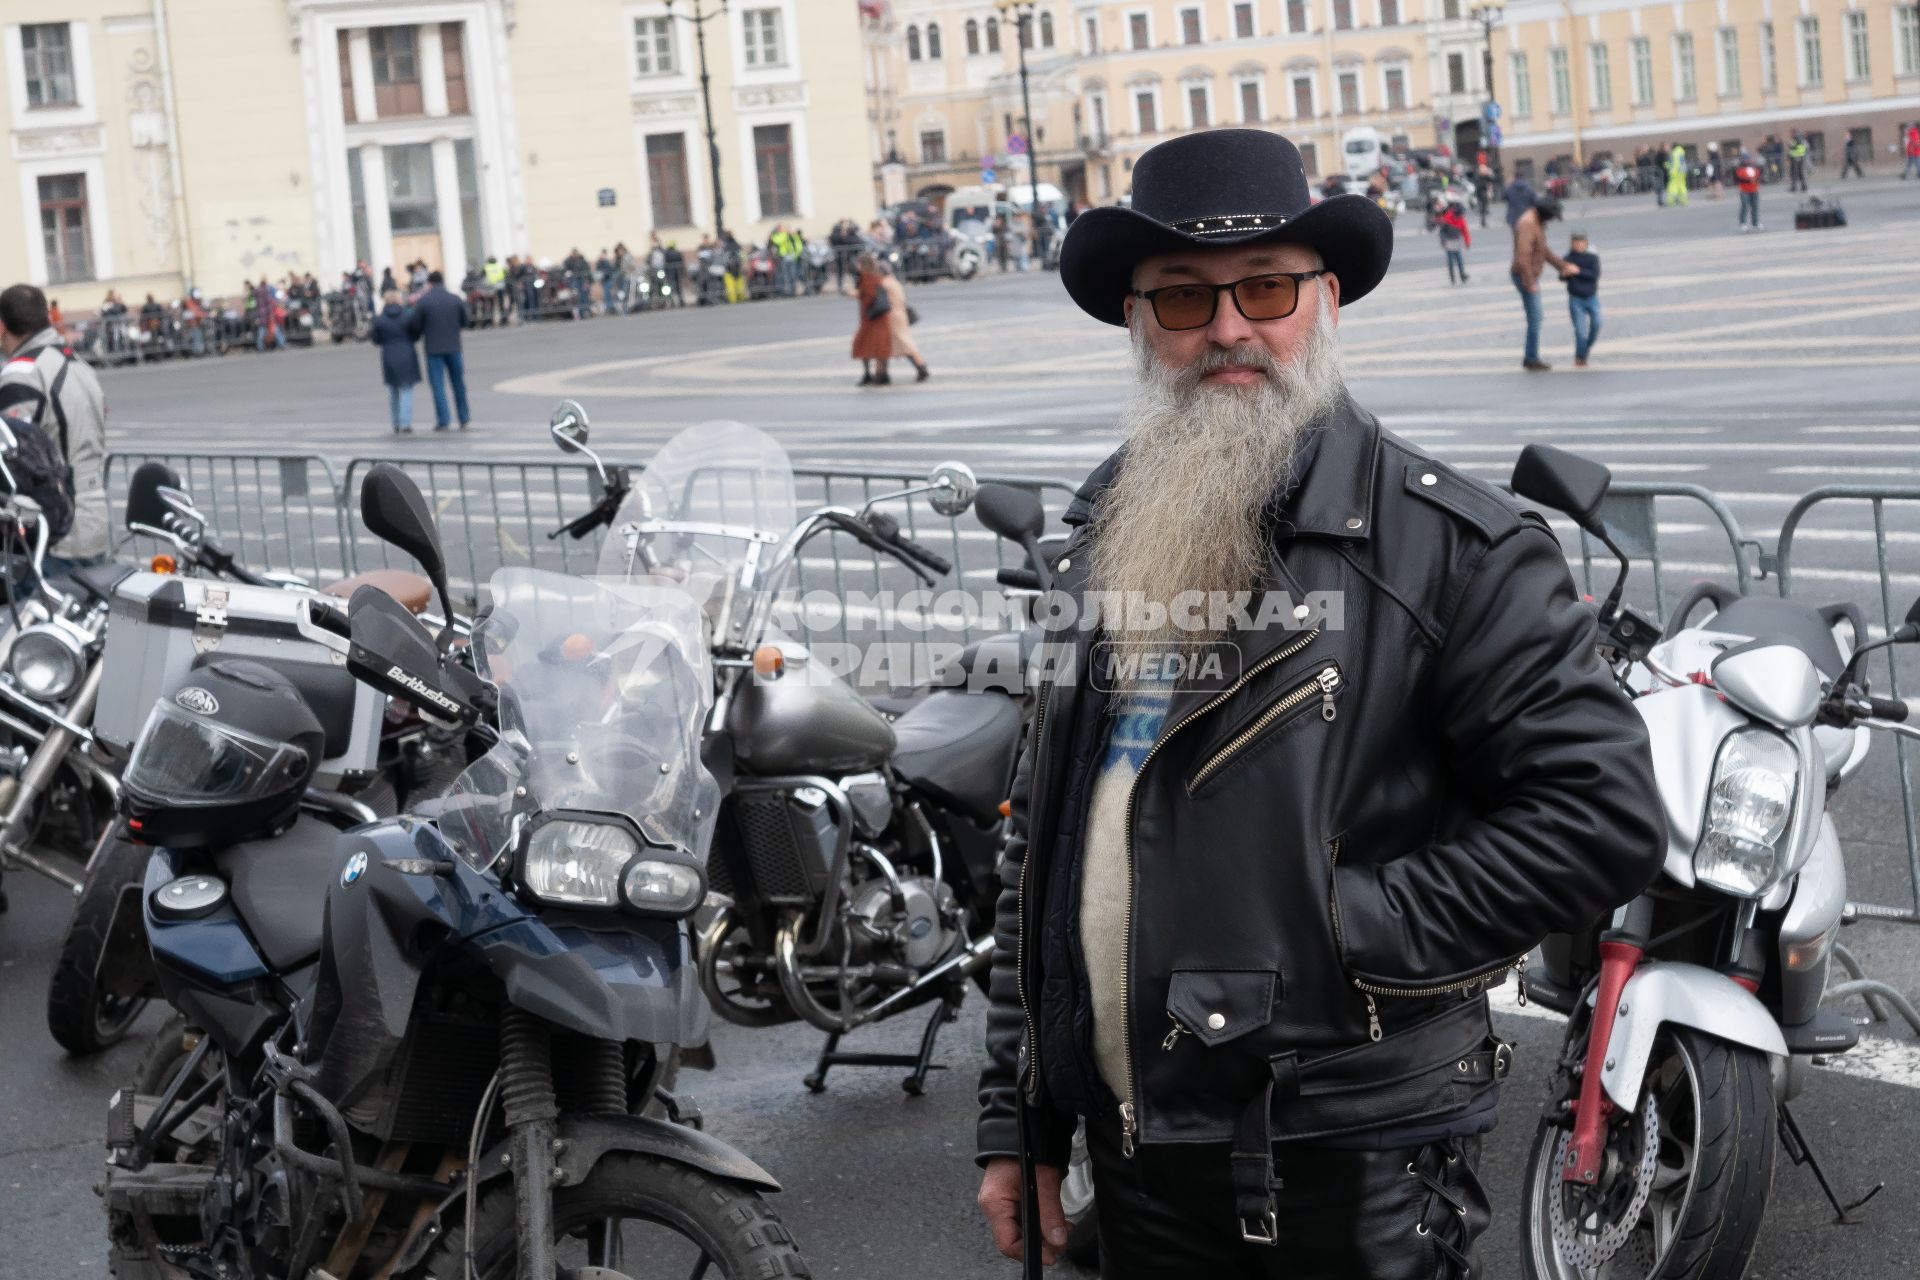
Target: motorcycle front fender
column 1662, row 993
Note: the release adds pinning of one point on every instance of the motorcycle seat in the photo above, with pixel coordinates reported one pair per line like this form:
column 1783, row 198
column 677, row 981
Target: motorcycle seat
column 413, row 592
column 279, row 887
column 99, row 580
column 1787, row 620
column 958, row 748
column 992, row 664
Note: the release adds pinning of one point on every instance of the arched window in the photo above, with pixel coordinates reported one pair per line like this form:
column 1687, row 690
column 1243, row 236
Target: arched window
column 973, row 36
column 933, row 40
column 1025, row 32
column 1046, row 31
column 993, row 35
column 913, row 44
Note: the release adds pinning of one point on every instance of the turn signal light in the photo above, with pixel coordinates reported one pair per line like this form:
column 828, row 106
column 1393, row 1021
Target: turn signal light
column 1006, row 808
column 769, row 662
column 576, row 648
column 163, row 564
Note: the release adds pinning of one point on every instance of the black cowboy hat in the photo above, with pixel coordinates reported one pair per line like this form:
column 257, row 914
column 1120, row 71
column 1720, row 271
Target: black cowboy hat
column 1220, row 187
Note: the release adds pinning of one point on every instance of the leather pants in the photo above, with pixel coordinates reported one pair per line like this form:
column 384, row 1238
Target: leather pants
column 1409, row 1214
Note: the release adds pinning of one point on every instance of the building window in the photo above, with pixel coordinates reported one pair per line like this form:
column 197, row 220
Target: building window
column 1243, row 20
column 933, row 146
column 1395, row 80
column 1097, row 112
column 1343, row 15
column 1906, row 39
column 1769, row 60
column 63, row 227
column 1810, row 52
column 1859, row 64
column 1456, row 73
column 1522, row 87
column 1640, row 49
column 933, row 40
column 1310, row 158
column 653, row 47
column 1349, row 84
column 1146, row 111
column 1190, row 32
column 762, row 42
column 1093, row 34
column 667, row 180
column 1303, row 97
column 993, row 35
column 1389, row 13
column 1686, row 84
column 1024, row 29
column 973, row 38
column 1296, row 16
column 46, row 48
column 396, row 71
column 1601, row 75
column 346, row 78
column 1729, row 62
column 453, row 58
column 1561, row 81
column 1199, row 106
column 773, row 159
column 1139, row 31
column 1046, row 31
column 412, row 203
column 913, row 44
column 1252, row 110
column 1450, row 10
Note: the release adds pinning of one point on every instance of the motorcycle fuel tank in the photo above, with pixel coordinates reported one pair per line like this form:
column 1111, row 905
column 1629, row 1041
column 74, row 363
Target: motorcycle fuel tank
column 807, row 721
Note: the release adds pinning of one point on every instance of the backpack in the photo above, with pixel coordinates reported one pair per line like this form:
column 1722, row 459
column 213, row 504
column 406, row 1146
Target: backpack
column 40, row 472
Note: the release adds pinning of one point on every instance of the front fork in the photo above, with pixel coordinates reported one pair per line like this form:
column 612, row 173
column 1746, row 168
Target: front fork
column 23, row 794
column 531, row 1111
column 1621, row 949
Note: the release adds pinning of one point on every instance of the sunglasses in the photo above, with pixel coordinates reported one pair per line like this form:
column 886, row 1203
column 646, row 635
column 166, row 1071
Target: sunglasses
column 1191, row 306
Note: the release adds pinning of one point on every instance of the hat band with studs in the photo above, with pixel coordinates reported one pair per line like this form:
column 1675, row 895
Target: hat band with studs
column 1239, row 223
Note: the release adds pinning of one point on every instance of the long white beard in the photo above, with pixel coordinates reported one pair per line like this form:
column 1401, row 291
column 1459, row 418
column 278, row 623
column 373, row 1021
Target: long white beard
column 1202, row 463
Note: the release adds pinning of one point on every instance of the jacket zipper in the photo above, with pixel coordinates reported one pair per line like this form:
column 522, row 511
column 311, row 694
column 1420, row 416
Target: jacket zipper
column 1323, row 683
column 1129, row 1113
column 1370, row 990
column 1020, row 940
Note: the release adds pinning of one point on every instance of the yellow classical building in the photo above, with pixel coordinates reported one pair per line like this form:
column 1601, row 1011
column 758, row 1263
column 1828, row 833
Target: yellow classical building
column 154, row 144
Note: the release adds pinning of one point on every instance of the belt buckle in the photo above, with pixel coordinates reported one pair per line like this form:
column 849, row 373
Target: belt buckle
column 1250, row 1231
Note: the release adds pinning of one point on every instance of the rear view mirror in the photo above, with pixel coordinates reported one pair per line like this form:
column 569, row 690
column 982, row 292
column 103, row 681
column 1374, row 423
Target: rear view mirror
column 144, row 504
column 569, row 426
column 395, row 511
column 1013, row 513
column 1564, row 481
column 389, row 650
column 951, row 488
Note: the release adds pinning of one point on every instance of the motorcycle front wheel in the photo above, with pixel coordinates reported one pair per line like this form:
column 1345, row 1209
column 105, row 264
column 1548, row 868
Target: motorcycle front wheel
column 88, row 1008
column 1713, row 1124
column 637, row 1215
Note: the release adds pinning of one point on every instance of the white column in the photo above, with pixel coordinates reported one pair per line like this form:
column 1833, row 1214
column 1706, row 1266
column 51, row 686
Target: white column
column 360, row 62
column 373, row 182
column 433, row 68
column 446, row 200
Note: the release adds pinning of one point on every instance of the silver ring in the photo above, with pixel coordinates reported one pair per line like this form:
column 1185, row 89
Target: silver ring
column 1420, row 1229
column 1410, row 1172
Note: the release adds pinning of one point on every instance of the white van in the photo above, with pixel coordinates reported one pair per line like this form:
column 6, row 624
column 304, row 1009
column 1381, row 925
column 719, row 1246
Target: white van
column 983, row 204
column 1363, row 152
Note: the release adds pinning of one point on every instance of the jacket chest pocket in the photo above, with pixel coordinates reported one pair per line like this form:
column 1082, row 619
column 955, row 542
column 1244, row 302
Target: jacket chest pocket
column 1218, row 1005
column 1316, row 693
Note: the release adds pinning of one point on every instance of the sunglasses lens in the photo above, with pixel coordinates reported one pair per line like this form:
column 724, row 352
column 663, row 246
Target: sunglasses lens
column 1267, row 297
column 1183, row 307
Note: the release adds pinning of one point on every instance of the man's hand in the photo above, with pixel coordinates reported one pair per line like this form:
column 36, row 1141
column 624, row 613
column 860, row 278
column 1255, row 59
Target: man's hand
column 1000, row 1201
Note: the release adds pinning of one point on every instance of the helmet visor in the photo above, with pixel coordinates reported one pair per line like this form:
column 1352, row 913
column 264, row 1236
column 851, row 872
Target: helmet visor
column 186, row 759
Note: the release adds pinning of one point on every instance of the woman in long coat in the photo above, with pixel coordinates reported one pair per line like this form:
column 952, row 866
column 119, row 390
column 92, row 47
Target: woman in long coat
column 898, row 318
column 873, row 340
column 394, row 332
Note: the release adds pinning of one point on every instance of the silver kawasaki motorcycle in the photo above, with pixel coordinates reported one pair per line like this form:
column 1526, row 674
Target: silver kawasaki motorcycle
column 1693, row 1013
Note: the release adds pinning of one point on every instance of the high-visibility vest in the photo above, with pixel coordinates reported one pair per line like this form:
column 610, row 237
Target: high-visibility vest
column 495, row 273
column 1798, row 151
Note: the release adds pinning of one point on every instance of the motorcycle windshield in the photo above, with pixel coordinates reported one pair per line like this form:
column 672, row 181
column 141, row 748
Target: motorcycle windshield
column 706, row 496
column 604, row 693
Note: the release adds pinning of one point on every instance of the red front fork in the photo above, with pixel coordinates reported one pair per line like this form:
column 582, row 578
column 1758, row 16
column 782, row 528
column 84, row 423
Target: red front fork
column 1586, row 1153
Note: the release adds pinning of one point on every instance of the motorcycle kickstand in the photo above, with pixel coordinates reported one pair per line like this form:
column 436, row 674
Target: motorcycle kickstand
column 1800, row 1152
column 947, row 1010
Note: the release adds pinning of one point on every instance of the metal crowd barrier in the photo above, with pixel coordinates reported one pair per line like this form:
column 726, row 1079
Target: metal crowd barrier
column 273, row 511
column 1631, row 510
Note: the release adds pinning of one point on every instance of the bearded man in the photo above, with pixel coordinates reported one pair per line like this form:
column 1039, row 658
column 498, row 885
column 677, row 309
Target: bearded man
column 1251, row 913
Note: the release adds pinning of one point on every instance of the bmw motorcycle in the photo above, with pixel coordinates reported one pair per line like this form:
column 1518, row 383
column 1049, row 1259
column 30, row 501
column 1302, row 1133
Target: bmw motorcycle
column 442, row 1072
column 854, row 857
column 1693, row 1013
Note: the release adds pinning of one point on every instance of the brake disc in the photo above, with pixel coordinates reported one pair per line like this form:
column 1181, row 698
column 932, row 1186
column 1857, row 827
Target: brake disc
column 1590, row 1248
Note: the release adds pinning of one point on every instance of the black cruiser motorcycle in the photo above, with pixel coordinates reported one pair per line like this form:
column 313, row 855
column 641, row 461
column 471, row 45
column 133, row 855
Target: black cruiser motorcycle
column 422, row 1046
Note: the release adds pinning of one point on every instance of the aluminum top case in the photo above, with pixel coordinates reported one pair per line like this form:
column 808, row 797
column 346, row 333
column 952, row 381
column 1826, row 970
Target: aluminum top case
column 162, row 626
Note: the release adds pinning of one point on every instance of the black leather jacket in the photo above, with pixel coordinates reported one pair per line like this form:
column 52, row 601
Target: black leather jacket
column 1348, row 833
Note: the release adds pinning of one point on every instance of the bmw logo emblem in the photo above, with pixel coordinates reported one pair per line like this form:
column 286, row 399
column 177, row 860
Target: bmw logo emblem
column 355, row 868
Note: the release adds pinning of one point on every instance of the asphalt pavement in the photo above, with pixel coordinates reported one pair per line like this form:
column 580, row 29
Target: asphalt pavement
column 1757, row 366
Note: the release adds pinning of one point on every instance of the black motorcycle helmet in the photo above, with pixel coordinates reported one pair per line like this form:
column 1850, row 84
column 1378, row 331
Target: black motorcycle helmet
column 224, row 757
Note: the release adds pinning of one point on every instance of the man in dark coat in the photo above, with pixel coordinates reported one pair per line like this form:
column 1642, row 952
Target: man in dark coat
column 442, row 316
column 1324, row 753
column 394, row 331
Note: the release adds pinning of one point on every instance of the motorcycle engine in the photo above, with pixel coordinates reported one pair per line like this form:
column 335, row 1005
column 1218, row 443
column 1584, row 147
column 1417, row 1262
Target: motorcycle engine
column 917, row 931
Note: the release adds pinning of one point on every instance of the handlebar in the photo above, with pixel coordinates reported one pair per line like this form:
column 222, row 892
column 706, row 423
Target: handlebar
column 887, row 529
column 1893, row 709
column 1018, row 579
column 603, row 511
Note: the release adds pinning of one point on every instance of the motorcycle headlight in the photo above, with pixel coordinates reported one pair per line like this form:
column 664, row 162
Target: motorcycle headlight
column 576, row 863
column 45, row 662
column 658, row 887
column 1742, row 848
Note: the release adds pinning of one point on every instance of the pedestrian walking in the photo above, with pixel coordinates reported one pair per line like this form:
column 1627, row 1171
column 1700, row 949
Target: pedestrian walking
column 1583, row 296
column 1913, row 152
column 1455, row 239
column 1797, row 162
column 1746, row 176
column 899, row 317
column 1657, row 160
column 579, row 274
column 1677, row 176
column 266, row 317
column 1020, row 241
column 45, row 383
column 443, row 315
column 1531, row 255
column 394, row 331
column 1196, row 880
column 1710, row 171
column 873, row 339
column 1850, row 159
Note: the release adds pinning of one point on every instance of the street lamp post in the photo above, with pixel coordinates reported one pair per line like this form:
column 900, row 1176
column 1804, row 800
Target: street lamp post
column 699, row 19
column 1489, row 13
column 1022, row 11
